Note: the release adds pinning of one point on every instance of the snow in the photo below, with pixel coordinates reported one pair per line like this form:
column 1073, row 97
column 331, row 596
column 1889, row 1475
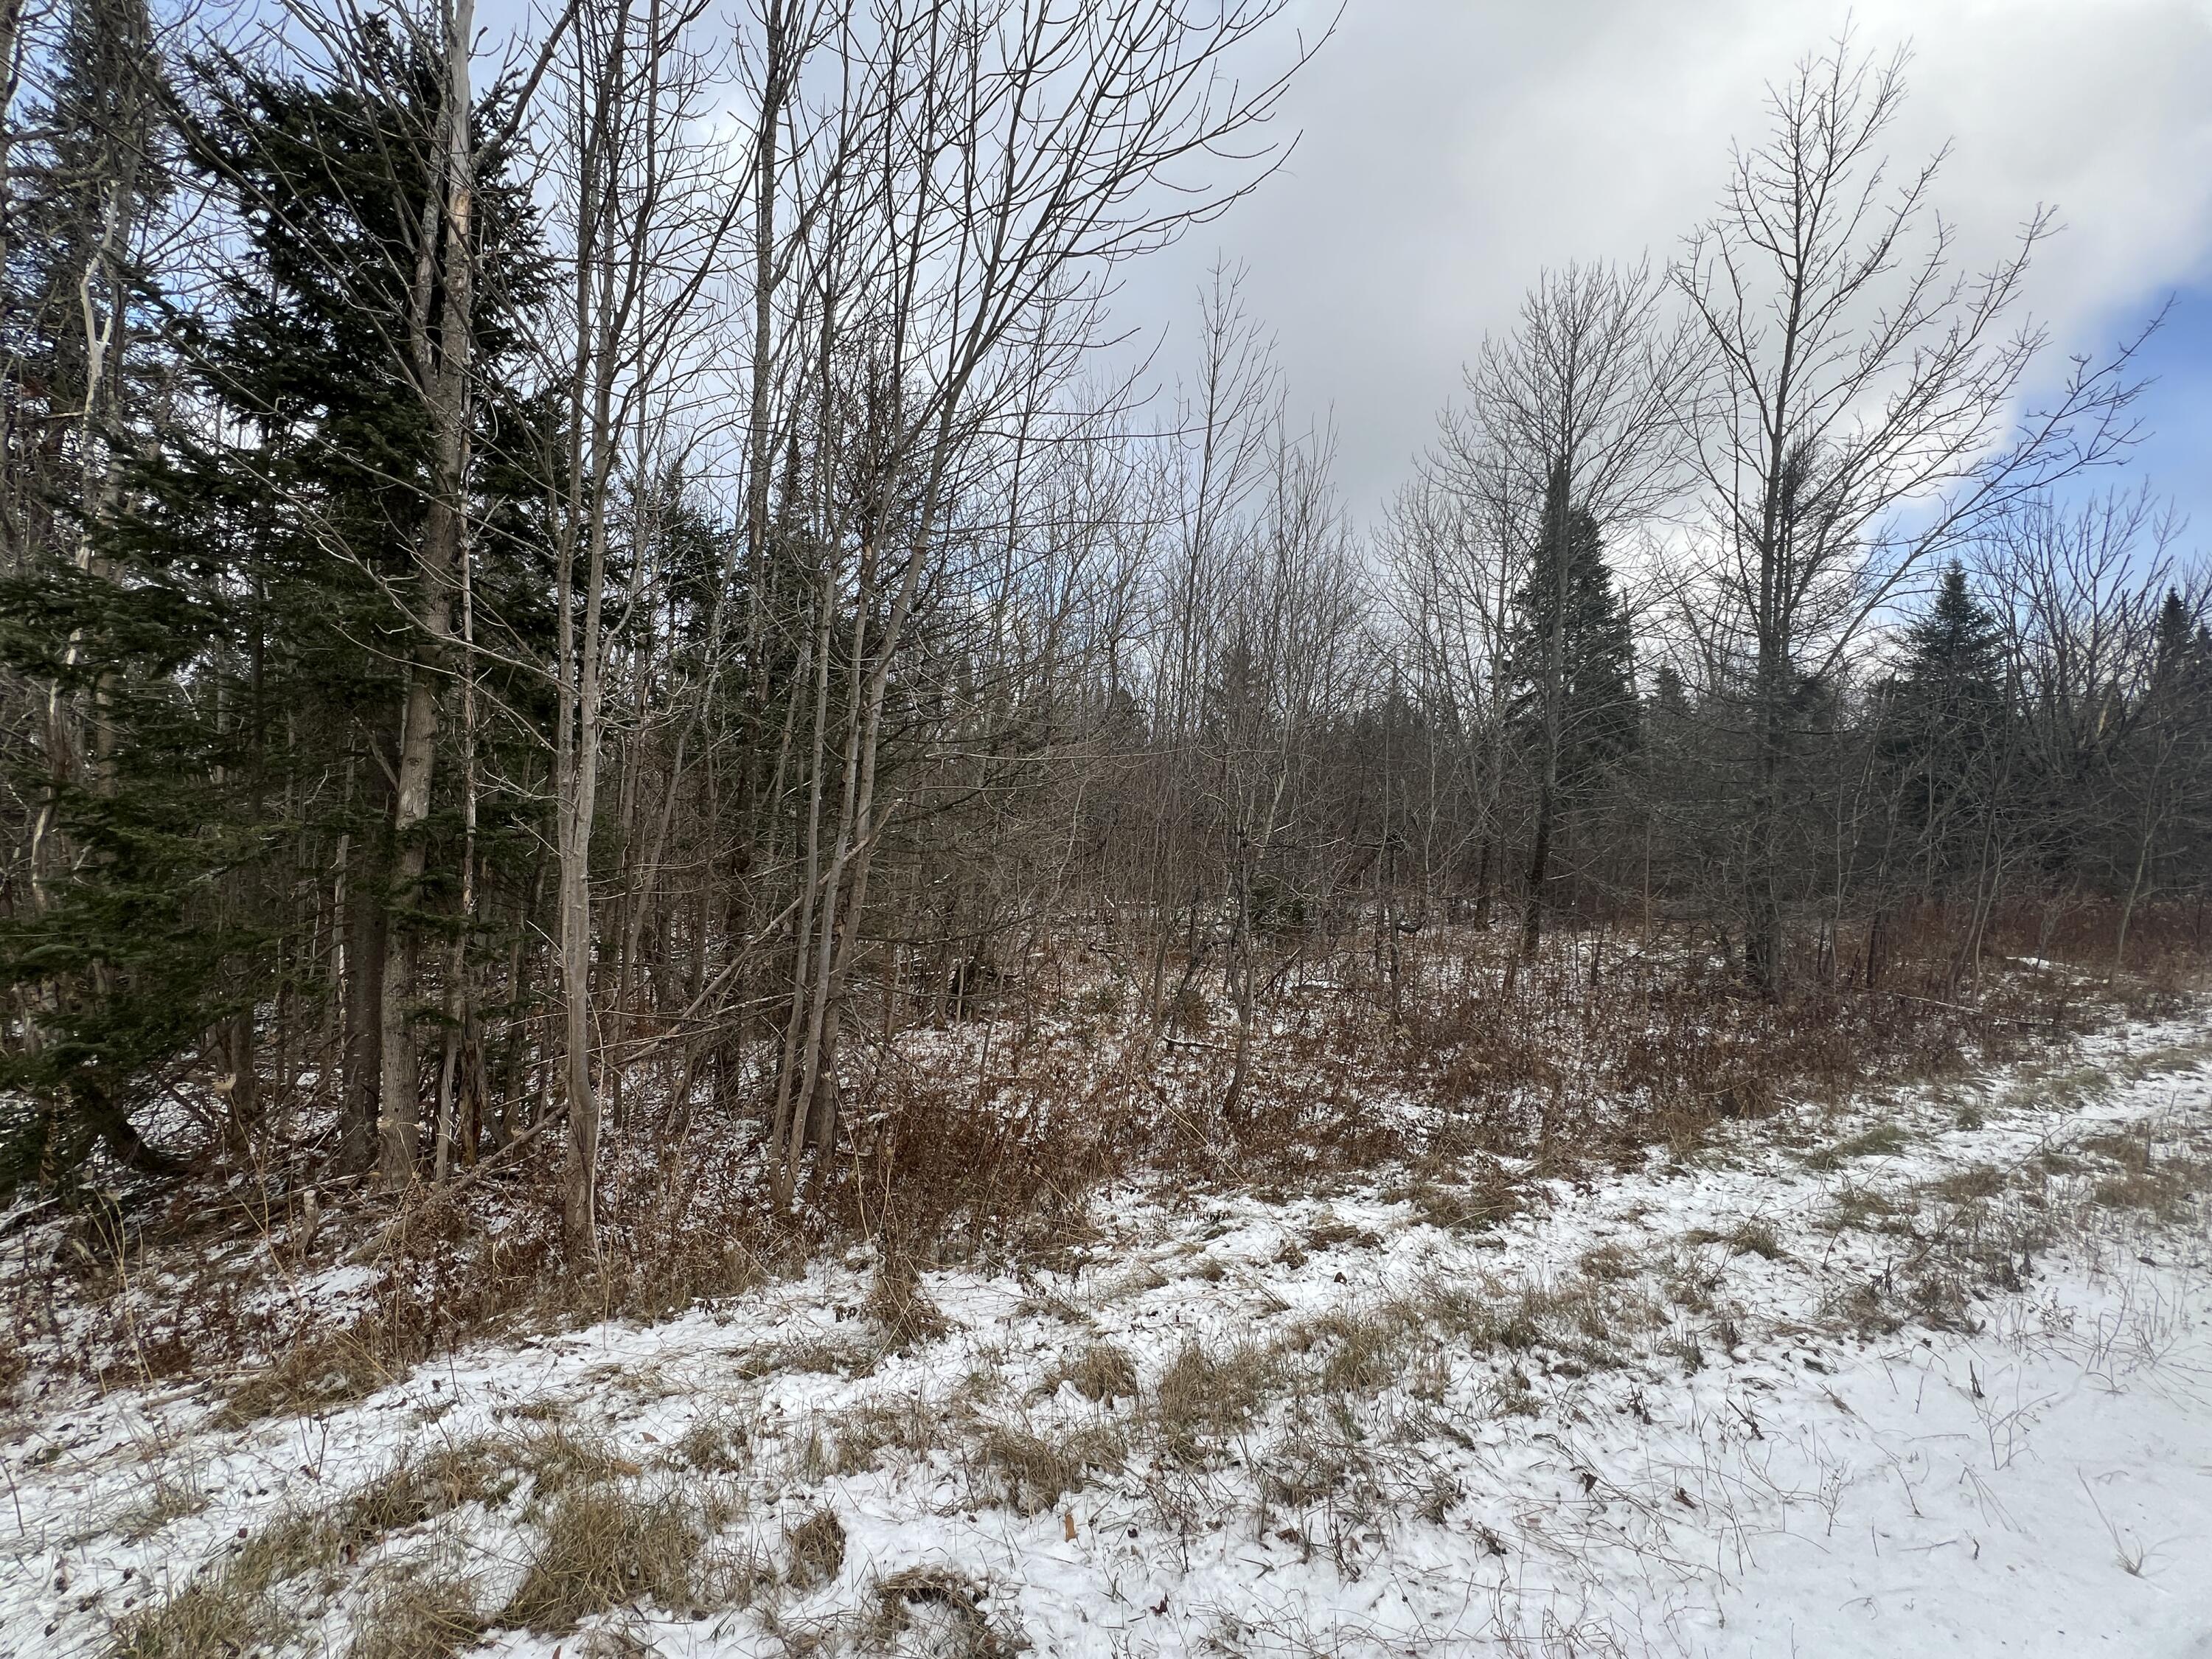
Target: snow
column 1732, row 1454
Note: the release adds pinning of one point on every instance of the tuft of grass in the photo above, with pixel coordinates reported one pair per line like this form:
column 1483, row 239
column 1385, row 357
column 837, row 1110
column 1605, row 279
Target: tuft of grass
column 558, row 1460
column 817, row 1354
column 231, row 1606
column 1754, row 1236
column 1481, row 1197
column 1306, row 1468
column 814, row 1550
column 415, row 1616
column 2152, row 1190
column 1102, row 1371
column 1202, row 1396
column 173, row 1498
column 604, row 1546
column 313, row 1375
column 1882, row 1140
column 1967, row 1186
column 1692, row 1284
column 716, row 1443
column 1361, row 1352
column 1860, row 1307
column 421, row 1486
column 730, row 1574
column 2162, row 1185
column 897, row 1302
column 940, row 1609
column 2059, row 1090
column 1608, row 1264
column 1329, row 1230
column 215, row 1616
column 1508, row 1394
column 1857, row 1208
column 1030, row 1472
column 902, row 1421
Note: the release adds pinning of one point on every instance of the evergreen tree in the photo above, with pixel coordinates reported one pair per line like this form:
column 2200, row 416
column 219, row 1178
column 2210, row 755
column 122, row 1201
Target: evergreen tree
column 2174, row 648
column 1573, row 663
column 2163, row 766
column 243, row 628
column 1572, row 649
column 92, row 175
column 1943, row 722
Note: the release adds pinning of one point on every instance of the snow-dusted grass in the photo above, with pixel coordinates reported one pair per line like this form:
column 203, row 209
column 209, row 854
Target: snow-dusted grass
column 1928, row 1373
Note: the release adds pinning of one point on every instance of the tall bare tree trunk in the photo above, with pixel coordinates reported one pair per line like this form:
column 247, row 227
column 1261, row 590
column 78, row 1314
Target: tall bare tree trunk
column 442, row 368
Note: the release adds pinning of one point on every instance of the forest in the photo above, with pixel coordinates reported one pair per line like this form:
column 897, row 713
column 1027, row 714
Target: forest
column 617, row 675
column 740, row 919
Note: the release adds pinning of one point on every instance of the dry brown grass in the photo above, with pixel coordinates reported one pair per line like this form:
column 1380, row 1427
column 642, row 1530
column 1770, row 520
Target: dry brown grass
column 2164, row 1178
column 1328, row 1231
column 232, row 1604
column 173, row 1497
column 1881, row 1140
column 1202, row 1397
column 606, row 1546
column 600, row 1541
column 1466, row 1197
column 214, row 1617
column 861, row 1433
column 315, row 1374
column 1973, row 1234
column 942, row 1610
column 901, row 1308
column 449, row 1264
column 1354, row 1350
column 1752, row 1235
column 1982, row 1180
column 422, row 1485
column 559, row 1460
column 1856, row 1207
column 814, row 1550
column 416, row 1615
column 1607, row 1043
column 718, row 1442
column 1029, row 1472
column 1100, row 1371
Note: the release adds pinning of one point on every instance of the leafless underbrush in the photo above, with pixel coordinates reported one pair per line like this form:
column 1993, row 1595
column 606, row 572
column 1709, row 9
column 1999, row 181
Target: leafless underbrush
column 989, row 1137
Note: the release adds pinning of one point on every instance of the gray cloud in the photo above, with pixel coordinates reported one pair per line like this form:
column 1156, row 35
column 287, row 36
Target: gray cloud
column 1451, row 149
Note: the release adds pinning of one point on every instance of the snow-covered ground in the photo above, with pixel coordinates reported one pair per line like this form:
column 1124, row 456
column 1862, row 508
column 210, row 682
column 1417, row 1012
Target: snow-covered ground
column 1933, row 1374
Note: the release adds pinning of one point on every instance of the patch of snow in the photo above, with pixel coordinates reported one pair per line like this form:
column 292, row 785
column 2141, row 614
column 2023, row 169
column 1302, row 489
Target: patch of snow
column 2035, row 1479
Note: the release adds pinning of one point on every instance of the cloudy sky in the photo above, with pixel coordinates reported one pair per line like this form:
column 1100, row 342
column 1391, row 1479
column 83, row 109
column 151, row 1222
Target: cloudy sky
column 1449, row 149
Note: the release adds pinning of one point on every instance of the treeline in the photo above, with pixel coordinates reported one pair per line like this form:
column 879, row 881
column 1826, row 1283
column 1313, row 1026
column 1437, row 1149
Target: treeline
column 630, row 548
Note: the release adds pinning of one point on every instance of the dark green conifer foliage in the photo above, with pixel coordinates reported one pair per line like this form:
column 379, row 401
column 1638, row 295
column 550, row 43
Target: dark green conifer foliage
column 2165, row 768
column 1574, row 673
column 1943, row 729
column 1572, row 642
column 243, row 627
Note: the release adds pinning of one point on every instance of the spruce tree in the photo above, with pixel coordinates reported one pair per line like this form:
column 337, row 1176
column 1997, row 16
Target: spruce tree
column 1573, row 663
column 1944, row 718
column 243, row 628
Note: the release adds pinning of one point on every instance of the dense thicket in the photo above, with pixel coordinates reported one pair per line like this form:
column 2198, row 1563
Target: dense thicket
column 503, row 583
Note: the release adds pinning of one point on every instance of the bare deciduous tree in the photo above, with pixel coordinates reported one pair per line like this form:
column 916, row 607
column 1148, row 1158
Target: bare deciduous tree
column 1861, row 410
